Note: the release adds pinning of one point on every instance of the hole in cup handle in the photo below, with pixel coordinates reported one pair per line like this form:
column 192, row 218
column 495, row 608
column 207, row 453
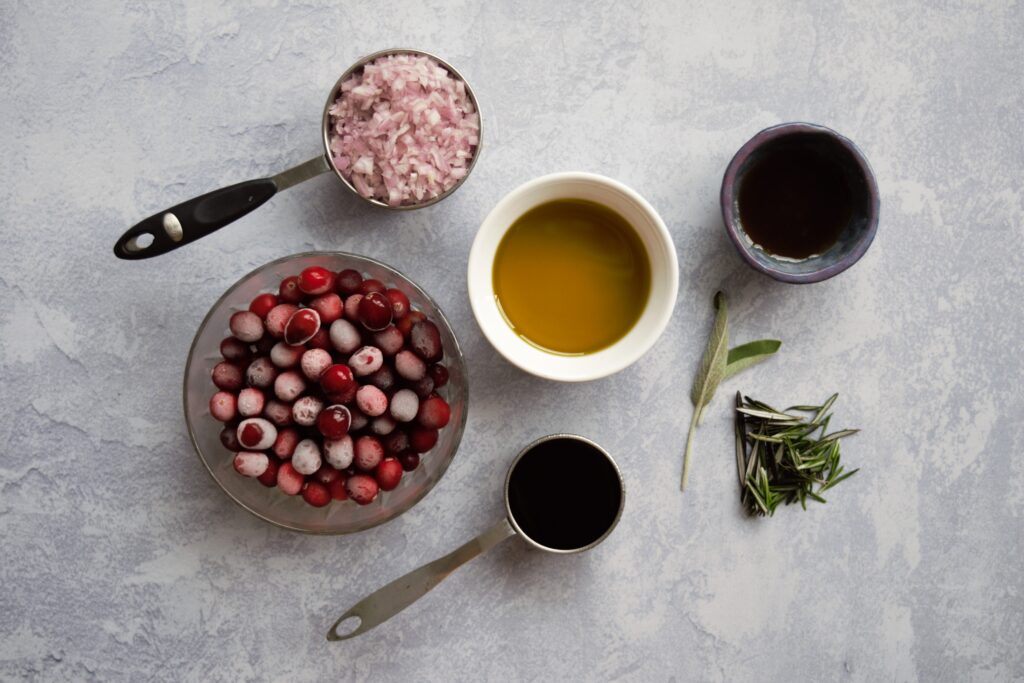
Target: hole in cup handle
column 334, row 635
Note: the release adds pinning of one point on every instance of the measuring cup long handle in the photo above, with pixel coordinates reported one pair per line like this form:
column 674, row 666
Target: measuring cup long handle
column 199, row 216
column 388, row 601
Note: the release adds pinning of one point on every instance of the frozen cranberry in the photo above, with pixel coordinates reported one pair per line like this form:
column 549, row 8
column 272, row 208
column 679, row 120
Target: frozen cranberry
column 306, row 458
column 399, row 302
column 366, row 360
column 374, row 311
column 352, row 307
column 229, row 438
column 404, row 405
column 333, row 421
column 301, row 327
column 348, row 281
column 329, row 306
column 316, row 280
column 326, row 474
column 425, row 340
column 251, row 402
column 235, row 350
column 372, row 285
column 382, row 425
column 405, row 324
column 422, row 439
column 285, row 443
column 314, row 362
column 256, row 434
column 269, row 476
column 362, row 488
column 410, row 460
column 410, row 366
column 358, row 421
column 320, row 340
column 227, row 376
column 395, row 442
column 371, row 400
column 388, row 473
column 277, row 412
column 250, row 464
column 264, row 345
column 339, row 452
column 439, row 374
column 423, row 387
column 434, row 413
column 306, row 410
column 278, row 317
column 344, row 336
column 338, row 383
column 262, row 304
column 316, row 494
column 383, row 379
column 368, row 452
column 223, row 406
column 389, row 340
column 337, row 488
column 288, row 386
column 246, row 326
column 288, row 479
column 289, row 291
column 285, row 356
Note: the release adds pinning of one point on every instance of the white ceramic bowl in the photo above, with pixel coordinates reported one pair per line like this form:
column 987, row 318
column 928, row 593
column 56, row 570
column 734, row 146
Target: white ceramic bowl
column 660, row 250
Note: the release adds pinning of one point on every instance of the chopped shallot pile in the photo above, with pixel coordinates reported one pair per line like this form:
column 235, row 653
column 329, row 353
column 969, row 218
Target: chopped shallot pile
column 404, row 130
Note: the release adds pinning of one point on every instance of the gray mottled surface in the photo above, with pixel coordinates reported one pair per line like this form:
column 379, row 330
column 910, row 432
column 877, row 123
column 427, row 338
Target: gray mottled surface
column 121, row 559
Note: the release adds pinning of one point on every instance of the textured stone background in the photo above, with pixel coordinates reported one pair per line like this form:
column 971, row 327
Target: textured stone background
column 121, row 559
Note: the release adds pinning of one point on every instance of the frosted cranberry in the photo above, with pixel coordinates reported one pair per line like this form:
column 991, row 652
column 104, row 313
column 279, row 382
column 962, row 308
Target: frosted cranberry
column 320, row 340
column 301, row 327
column 344, row 336
column 256, row 434
column 289, row 480
column 348, row 281
column 262, row 304
column 423, row 387
column 229, row 438
column 285, row 443
column 371, row 400
column 306, row 458
column 223, row 406
column 358, row 421
column 316, row 280
column 410, row 460
column 251, row 402
column 339, row 452
column 405, row 324
column 246, row 326
column 333, row 421
column 404, row 405
column 235, row 350
column 285, row 356
column 227, row 376
column 337, row 488
column 374, row 311
column 425, row 340
column 278, row 317
column 368, row 452
column 399, row 302
column 439, row 374
column 388, row 474
column 277, row 412
column 383, row 379
column 314, row 362
column 329, row 307
column 362, row 488
column 410, row 366
column 250, row 464
column 422, row 439
column 316, row 494
column 289, row 291
column 372, row 285
column 289, row 386
column 306, row 410
column 352, row 307
column 366, row 360
column 395, row 442
column 337, row 382
column 389, row 340
column 382, row 425
column 269, row 476
column 434, row 413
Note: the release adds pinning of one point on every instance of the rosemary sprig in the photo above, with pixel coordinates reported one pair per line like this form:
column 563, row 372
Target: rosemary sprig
column 790, row 458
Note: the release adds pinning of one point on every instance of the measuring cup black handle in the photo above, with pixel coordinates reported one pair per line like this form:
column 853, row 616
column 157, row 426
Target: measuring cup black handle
column 199, row 216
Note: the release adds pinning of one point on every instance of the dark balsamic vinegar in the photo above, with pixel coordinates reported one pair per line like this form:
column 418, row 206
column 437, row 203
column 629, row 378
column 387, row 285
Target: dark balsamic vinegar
column 564, row 494
column 795, row 201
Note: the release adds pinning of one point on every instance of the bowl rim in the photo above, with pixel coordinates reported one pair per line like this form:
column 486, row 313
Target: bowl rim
column 731, row 219
column 625, row 355
column 459, row 428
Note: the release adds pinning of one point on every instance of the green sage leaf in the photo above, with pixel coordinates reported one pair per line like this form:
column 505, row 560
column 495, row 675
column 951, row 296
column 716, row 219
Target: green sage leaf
column 743, row 356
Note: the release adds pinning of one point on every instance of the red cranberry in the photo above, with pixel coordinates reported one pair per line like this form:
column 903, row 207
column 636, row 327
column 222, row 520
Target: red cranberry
column 410, row 366
column 320, row 340
column 333, row 422
column 425, row 340
column 227, row 376
column 262, row 304
column 235, row 350
column 410, row 460
column 423, row 387
column 358, row 421
column 362, row 488
column 337, row 488
column 439, row 374
column 316, row 280
column 405, row 324
column 383, row 379
column 348, row 281
column 269, row 476
column 277, row 412
column 368, row 452
column 372, row 285
column 434, row 413
column 278, row 317
column 388, row 473
column 329, row 307
column 256, row 434
column 337, row 382
column 352, row 307
column 316, row 494
column 288, row 479
column 289, row 291
column 264, row 345
column 261, row 373
column 422, row 439
column 229, row 438
column 396, row 442
column 284, row 445
column 301, row 327
column 223, row 406
column 374, row 312
column 399, row 302
column 339, row 452
column 326, row 474
column 246, row 326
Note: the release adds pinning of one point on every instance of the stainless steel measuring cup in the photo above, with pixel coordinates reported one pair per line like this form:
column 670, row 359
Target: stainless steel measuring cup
column 388, row 601
column 186, row 222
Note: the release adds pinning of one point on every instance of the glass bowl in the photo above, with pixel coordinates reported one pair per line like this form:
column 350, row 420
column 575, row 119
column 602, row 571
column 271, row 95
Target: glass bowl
column 292, row 512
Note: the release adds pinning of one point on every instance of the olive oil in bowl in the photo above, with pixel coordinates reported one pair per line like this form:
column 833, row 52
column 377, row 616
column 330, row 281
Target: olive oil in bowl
column 571, row 276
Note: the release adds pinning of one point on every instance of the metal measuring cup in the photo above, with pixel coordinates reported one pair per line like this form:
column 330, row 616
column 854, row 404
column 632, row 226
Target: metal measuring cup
column 388, row 601
column 186, row 222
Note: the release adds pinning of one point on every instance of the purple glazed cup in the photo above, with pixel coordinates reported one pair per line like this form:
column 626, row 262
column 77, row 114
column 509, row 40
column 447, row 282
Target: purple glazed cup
column 854, row 239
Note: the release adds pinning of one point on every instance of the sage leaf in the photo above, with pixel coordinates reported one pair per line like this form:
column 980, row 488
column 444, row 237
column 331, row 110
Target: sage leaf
column 709, row 376
column 743, row 356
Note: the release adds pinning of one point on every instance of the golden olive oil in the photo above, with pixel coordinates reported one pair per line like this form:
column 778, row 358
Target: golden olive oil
column 571, row 276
